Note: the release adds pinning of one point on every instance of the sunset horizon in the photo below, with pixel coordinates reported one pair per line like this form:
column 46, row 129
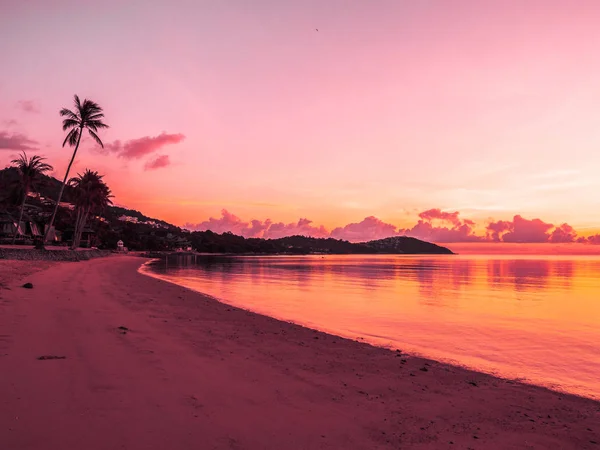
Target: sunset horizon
column 340, row 116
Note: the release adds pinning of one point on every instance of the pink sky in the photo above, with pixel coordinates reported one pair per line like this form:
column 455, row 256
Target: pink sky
column 391, row 109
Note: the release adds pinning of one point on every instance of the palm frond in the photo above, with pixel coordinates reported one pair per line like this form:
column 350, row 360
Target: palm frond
column 91, row 192
column 44, row 167
column 30, row 171
column 86, row 115
column 98, row 123
column 78, row 104
column 20, row 161
column 74, row 130
column 69, row 113
column 74, row 181
column 96, row 116
column 94, row 125
column 36, row 163
column 72, row 137
column 96, row 138
column 91, row 106
column 89, row 109
column 70, row 123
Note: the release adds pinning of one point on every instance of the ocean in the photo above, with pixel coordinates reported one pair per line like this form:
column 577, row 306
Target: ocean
column 526, row 317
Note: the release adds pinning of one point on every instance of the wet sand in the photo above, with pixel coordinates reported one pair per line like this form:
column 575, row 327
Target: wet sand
column 187, row 372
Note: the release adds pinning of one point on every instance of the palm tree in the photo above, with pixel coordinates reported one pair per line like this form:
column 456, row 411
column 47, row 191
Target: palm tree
column 92, row 195
column 86, row 116
column 30, row 172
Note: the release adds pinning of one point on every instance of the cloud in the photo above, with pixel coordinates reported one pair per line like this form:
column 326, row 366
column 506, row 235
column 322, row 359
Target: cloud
column 370, row 228
column 523, row 230
column 438, row 214
column 495, row 229
column 436, row 225
column 257, row 228
column 159, row 162
column 303, row 227
column 16, row 141
column 231, row 222
column 28, row 106
column 433, row 225
column 138, row 148
column 10, row 123
column 563, row 233
column 595, row 239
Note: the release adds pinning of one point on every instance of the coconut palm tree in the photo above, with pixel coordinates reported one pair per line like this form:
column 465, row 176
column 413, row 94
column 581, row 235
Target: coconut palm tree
column 87, row 115
column 30, row 173
column 92, row 195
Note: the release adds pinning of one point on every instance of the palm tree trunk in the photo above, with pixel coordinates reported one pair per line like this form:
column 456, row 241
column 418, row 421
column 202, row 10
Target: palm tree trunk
column 83, row 224
column 75, row 242
column 62, row 188
column 77, row 226
column 20, row 218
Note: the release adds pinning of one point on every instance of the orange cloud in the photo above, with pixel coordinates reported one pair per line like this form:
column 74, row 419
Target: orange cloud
column 230, row 223
column 563, row 233
column 449, row 228
column 521, row 230
column 433, row 225
column 595, row 239
column 303, row 228
column 256, row 228
column 438, row 214
column 370, row 228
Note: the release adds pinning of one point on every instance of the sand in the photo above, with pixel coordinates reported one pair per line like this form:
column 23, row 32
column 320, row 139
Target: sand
column 187, row 372
column 11, row 271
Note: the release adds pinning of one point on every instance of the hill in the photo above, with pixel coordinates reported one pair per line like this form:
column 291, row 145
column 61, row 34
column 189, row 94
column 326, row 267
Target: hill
column 207, row 241
column 140, row 232
column 408, row 245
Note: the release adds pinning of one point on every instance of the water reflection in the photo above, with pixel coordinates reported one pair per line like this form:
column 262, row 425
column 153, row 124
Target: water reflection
column 438, row 276
column 502, row 314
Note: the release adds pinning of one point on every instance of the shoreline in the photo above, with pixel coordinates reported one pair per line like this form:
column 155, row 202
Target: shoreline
column 145, row 270
column 189, row 370
column 305, row 304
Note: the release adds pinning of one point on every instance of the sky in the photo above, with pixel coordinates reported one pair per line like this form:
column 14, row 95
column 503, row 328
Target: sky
column 460, row 121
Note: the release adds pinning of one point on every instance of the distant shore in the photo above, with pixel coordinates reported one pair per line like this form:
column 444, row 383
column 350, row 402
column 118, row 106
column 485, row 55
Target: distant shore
column 129, row 361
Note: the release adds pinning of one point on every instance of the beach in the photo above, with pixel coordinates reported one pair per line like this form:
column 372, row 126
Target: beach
column 133, row 362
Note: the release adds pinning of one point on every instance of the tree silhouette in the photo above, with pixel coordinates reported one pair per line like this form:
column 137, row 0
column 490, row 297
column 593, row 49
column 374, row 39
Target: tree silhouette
column 30, row 172
column 87, row 115
column 92, row 195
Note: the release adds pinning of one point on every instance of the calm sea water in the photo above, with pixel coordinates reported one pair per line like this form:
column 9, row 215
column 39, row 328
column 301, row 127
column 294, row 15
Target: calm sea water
column 530, row 318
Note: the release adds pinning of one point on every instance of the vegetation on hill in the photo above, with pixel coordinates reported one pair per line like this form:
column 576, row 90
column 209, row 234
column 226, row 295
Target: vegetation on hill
column 207, row 241
column 140, row 232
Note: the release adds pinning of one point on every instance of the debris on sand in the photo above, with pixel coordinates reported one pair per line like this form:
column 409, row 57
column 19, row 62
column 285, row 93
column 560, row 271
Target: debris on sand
column 28, row 286
column 46, row 357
